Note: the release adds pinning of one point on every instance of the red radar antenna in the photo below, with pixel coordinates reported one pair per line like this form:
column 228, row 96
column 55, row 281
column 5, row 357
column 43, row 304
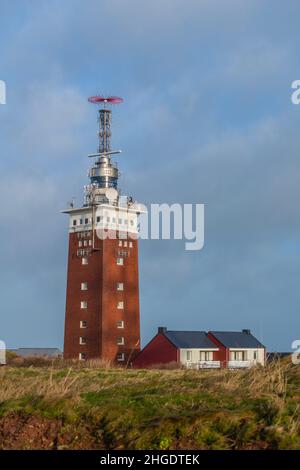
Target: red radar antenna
column 97, row 99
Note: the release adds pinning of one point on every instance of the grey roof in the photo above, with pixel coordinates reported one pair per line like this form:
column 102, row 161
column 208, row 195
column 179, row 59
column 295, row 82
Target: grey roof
column 190, row 339
column 29, row 352
column 237, row 339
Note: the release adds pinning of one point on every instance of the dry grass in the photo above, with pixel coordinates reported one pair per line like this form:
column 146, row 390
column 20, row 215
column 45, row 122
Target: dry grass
column 256, row 408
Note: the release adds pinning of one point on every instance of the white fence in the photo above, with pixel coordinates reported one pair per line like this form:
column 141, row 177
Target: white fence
column 204, row 365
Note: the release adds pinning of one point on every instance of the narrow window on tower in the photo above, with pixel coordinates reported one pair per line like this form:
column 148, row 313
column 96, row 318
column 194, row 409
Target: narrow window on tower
column 120, row 340
column 120, row 324
column 74, row 222
column 120, row 305
column 120, row 261
column 82, row 340
column 84, row 286
column 86, row 221
column 83, row 304
column 120, row 286
column 84, row 261
column 83, row 324
column 82, row 356
column 121, row 357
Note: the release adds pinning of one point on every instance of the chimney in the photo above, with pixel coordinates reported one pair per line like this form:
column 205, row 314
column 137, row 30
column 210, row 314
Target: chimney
column 246, row 332
column 161, row 329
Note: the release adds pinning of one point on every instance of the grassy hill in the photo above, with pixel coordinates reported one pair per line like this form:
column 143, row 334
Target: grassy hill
column 59, row 407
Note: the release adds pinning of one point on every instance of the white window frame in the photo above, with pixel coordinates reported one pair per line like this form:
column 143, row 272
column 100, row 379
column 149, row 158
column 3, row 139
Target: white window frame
column 82, row 340
column 120, row 305
column 120, row 286
column 84, row 286
column 82, row 356
column 120, row 324
column 83, row 324
column 121, row 357
column 189, row 356
column 84, row 261
column 120, row 341
column 120, row 261
column 83, row 304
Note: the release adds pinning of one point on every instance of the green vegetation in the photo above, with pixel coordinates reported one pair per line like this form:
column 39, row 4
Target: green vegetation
column 59, row 407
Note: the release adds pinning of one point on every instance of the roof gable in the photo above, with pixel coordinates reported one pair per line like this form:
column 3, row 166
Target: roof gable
column 237, row 339
column 190, row 339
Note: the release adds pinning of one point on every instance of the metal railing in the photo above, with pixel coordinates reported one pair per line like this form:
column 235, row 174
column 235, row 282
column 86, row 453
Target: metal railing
column 204, row 365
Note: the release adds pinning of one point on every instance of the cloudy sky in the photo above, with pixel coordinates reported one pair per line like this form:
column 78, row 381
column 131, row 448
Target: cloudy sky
column 207, row 118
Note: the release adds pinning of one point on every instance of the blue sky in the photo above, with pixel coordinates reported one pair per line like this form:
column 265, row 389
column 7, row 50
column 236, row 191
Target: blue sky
column 207, row 118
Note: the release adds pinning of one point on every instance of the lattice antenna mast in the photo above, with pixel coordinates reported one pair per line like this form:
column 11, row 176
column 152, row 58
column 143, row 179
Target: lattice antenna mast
column 104, row 173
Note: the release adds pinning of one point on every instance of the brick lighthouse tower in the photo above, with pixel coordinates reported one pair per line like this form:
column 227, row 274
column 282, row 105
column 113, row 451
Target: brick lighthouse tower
column 102, row 300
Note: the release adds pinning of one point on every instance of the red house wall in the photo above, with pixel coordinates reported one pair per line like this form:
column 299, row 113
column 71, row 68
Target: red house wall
column 223, row 354
column 159, row 351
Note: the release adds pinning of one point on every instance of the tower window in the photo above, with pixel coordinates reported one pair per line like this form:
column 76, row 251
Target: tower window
column 82, row 356
column 99, row 218
column 84, row 286
column 84, row 261
column 121, row 357
column 120, row 221
column 82, row 340
column 120, row 261
column 120, row 340
column 86, row 221
column 120, row 286
column 83, row 324
column 83, row 304
column 74, row 222
column 81, row 221
column 120, row 304
column 120, row 324
column 108, row 219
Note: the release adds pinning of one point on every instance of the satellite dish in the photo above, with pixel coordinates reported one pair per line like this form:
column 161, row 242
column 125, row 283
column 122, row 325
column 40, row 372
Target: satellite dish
column 111, row 194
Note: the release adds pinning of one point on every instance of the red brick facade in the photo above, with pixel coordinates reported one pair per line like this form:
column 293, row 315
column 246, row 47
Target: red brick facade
column 159, row 351
column 101, row 333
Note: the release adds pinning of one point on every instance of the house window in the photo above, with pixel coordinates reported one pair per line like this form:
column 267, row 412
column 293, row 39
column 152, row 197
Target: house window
column 120, row 340
column 120, row 324
column 189, row 355
column 120, row 286
column 84, row 286
column 206, row 355
column 125, row 244
column 84, row 261
column 82, row 340
column 83, row 324
column 121, row 357
column 74, row 222
column 120, row 261
column 238, row 355
column 255, row 355
column 120, row 304
column 82, row 356
column 83, row 304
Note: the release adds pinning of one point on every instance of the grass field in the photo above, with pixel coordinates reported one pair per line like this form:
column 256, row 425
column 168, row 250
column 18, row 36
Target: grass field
column 59, row 407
